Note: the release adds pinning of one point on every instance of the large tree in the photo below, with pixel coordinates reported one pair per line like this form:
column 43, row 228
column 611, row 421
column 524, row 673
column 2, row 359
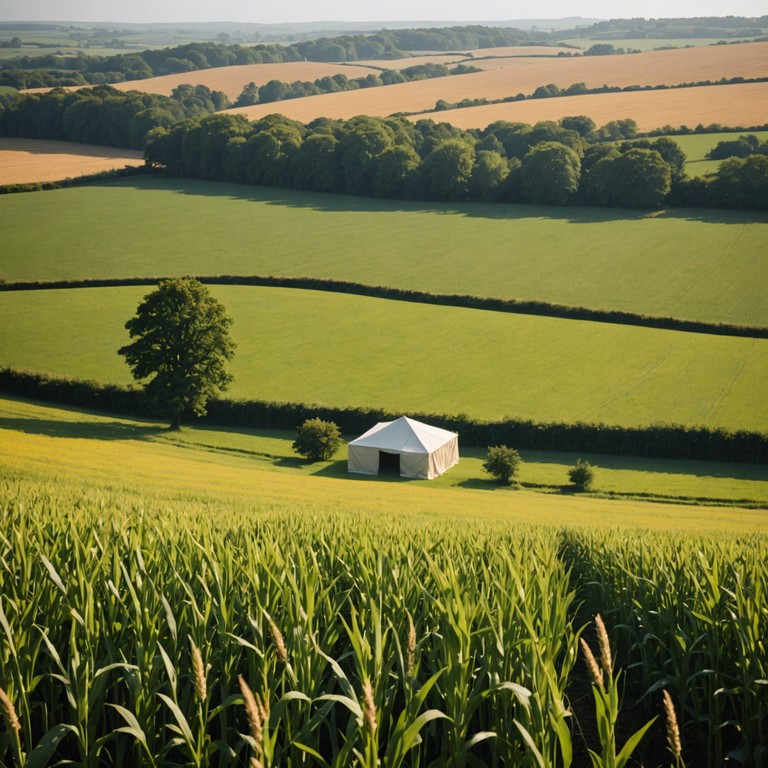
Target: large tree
column 181, row 347
column 549, row 174
column 640, row 178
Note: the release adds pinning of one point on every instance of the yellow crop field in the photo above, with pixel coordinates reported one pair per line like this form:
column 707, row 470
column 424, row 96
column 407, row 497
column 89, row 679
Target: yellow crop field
column 682, row 65
column 430, row 58
column 508, row 76
column 116, row 453
column 231, row 80
column 730, row 105
column 24, row 161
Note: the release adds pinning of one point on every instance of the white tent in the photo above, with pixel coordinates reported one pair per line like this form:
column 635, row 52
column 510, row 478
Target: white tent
column 421, row 450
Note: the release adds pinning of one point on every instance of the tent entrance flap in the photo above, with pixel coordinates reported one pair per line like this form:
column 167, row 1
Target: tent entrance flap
column 389, row 463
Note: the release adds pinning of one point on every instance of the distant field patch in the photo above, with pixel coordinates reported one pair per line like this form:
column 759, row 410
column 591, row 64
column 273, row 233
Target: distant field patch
column 231, row 80
column 649, row 44
column 730, row 105
column 509, row 76
column 696, row 146
column 342, row 350
column 695, row 264
column 521, row 50
column 483, row 58
column 25, row 161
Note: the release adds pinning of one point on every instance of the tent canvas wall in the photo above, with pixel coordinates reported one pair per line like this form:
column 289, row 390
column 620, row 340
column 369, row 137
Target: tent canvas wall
column 425, row 451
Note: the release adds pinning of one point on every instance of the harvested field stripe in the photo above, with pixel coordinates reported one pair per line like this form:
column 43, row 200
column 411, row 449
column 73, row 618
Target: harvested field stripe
column 505, row 78
column 727, row 105
column 25, row 161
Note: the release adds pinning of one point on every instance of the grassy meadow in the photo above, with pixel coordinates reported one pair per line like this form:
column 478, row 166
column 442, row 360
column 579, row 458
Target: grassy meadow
column 335, row 349
column 85, row 449
column 610, row 259
column 697, row 145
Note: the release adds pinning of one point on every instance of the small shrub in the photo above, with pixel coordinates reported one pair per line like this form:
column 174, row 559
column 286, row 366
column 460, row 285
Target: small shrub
column 582, row 475
column 317, row 440
column 502, row 463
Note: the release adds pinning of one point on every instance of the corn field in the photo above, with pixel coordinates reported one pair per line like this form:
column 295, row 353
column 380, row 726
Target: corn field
column 154, row 634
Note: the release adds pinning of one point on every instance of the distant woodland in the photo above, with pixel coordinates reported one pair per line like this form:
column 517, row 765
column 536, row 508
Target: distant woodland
column 51, row 69
column 571, row 161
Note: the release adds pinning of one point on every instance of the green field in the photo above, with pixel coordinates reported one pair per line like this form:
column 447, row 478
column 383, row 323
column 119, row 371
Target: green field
column 108, row 454
column 696, row 146
column 707, row 265
column 311, row 346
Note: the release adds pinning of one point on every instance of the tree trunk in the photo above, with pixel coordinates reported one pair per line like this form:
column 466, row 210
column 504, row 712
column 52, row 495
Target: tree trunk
column 175, row 422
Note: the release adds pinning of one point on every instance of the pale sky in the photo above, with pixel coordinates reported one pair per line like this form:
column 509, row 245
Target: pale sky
column 271, row 11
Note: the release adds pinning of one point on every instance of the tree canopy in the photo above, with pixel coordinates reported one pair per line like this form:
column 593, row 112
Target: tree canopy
column 181, row 347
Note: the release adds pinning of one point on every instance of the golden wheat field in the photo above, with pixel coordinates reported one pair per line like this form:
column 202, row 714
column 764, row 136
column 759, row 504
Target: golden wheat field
column 682, row 65
column 24, row 161
column 231, row 80
column 524, row 74
column 730, row 105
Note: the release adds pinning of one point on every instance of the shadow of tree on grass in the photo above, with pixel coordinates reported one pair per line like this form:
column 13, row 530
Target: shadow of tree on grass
column 112, row 430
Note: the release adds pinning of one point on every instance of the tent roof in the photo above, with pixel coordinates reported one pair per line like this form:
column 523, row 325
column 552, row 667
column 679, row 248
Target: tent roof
column 404, row 435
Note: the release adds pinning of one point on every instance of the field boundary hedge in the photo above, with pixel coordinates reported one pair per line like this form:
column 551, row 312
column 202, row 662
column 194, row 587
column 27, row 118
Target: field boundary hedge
column 662, row 441
column 77, row 181
column 464, row 301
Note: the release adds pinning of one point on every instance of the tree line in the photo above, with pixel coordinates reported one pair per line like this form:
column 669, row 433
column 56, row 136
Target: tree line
column 551, row 163
column 51, row 70
column 656, row 441
column 570, row 161
column 726, row 27
column 742, row 146
column 103, row 115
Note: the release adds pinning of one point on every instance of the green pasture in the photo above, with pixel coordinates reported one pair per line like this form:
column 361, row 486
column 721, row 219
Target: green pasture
column 696, row 146
column 116, row 455
column 697, row 264
column 334, row 349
